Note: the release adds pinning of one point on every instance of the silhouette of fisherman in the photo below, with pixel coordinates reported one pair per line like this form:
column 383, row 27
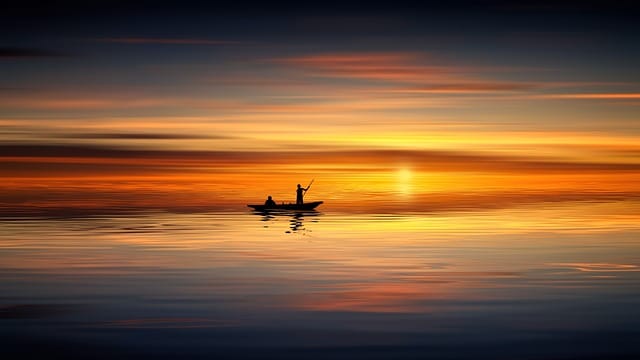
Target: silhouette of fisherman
column 300, row 194
column 269, row 203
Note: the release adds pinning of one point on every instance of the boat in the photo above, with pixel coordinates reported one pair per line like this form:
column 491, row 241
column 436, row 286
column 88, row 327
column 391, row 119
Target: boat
column 305, row 206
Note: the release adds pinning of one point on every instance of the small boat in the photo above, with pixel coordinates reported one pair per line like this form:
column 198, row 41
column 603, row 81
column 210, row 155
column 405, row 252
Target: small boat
column 305, row 206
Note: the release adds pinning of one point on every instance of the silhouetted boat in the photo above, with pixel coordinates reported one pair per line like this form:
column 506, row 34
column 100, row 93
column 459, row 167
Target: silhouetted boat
column 305, row 206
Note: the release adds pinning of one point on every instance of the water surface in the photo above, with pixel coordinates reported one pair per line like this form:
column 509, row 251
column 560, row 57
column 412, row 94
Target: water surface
column 557, row 281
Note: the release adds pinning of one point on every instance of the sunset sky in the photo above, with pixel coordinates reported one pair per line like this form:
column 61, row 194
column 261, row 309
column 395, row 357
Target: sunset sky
column 471, row 104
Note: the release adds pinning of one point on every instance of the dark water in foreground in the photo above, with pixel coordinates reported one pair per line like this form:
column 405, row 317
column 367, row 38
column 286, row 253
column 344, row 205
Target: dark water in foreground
column 526, row 283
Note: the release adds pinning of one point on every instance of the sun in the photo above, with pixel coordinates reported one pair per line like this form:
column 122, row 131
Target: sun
column 404, row 181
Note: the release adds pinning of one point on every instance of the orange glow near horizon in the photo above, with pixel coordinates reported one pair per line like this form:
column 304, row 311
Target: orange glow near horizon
column 375, row 128
column 371, row 180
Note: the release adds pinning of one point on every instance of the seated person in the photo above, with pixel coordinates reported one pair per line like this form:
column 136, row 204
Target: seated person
column 269, row 202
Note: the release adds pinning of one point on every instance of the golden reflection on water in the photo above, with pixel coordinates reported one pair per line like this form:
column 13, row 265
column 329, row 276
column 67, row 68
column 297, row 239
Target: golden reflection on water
column 339, row 261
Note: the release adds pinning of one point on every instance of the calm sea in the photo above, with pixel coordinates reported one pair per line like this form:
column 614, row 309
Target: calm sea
column 558, row 281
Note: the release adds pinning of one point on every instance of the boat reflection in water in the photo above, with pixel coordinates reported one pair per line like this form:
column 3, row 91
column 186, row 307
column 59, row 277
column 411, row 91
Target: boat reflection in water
column 296, row 218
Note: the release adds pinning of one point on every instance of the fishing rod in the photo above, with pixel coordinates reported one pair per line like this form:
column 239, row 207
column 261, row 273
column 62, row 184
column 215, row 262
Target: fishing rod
column 309, row 186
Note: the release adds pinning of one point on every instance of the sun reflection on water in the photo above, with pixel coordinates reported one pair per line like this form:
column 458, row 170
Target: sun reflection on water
column 518, row 268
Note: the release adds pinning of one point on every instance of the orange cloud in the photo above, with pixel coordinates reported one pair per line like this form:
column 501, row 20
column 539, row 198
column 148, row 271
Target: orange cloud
column 85, row 101
column 398, row 67
column 426, row 75
column 599, row 267
column 596, row 96
column 430, row 75
column 469, row 87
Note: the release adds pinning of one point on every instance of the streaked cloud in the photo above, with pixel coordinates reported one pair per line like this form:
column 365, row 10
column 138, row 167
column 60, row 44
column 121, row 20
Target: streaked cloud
column 472, row 87
column 425, row 160
column 136, row 136
column 28, row 53
column 415, row 73
column 167, row 323
column 166, row 41
column 392, row 66
column 421, row 74
column 592, row 96
column 598, row 267
column 98, row 101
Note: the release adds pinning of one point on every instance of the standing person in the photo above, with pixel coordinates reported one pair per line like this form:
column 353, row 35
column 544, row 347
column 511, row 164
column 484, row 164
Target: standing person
column 300, row 194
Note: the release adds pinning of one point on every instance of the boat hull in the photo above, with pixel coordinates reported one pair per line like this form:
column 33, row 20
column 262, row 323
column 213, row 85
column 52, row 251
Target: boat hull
column 305, row 206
